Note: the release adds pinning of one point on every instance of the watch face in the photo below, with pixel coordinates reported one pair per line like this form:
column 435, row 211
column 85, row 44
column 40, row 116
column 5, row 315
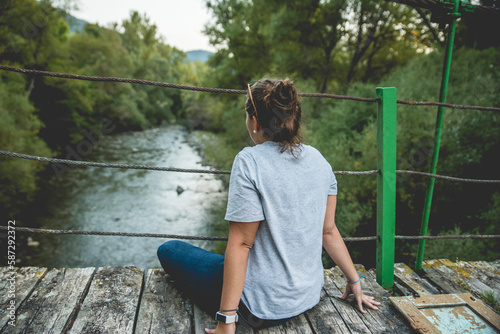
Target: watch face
column 220, row 317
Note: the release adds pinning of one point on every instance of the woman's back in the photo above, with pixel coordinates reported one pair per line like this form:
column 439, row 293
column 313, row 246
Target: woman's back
column 287, row 193
column 281, row 216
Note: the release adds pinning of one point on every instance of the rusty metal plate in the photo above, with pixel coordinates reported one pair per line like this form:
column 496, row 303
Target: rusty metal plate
column 453, row 313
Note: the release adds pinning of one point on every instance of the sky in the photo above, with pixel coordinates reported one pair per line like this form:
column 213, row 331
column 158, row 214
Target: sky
column 180, row 22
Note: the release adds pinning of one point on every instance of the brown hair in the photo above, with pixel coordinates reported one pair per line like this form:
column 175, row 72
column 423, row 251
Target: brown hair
column 278, row 111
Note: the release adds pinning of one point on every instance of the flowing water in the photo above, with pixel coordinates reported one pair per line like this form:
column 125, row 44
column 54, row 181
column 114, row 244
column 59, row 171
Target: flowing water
column 127, row 200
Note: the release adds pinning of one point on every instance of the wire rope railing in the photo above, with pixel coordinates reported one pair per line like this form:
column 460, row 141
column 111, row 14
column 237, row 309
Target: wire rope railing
column 214, row 238
column 229, row 91
column 215, row 171
column 387, row 101
column 222, row 172
column 156, row 168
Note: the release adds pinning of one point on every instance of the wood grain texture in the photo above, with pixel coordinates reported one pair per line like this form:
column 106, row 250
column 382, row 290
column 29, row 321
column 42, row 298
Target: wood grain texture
column 111, row 303
column 334, row 286
column 443, row 278
column 324, row 317
column 462, row 276
column 162, row 308
column 297, row 325
column 122, row 300
column 411, row 281
column 25, row 279
column 54, row 302
column 484, row 273
column 385, row 319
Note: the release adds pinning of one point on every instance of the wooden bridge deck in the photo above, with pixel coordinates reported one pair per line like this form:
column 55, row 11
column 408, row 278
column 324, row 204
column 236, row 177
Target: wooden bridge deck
column 128, row 299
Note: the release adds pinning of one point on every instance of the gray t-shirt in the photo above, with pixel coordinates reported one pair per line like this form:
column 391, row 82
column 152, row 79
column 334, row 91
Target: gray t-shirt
column 288, row 196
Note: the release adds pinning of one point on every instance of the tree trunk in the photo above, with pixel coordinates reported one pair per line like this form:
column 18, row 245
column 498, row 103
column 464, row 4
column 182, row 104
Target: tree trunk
column 431, row 28
column 359, row 52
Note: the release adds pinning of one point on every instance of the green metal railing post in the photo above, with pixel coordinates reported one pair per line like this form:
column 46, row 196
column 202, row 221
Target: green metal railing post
column 386, row 185
column 437, row 135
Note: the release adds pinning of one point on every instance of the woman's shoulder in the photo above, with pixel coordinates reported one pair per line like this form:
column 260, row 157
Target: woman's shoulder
column 269, row 149
column 246, row 155
column 314, row 154
column 312, row 150
column 263, row 148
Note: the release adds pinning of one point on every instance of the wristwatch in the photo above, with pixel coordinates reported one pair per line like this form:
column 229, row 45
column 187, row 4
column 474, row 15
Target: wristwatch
column 226, row 319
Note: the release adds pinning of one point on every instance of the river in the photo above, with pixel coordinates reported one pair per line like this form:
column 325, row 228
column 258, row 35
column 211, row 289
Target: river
column 109, row 199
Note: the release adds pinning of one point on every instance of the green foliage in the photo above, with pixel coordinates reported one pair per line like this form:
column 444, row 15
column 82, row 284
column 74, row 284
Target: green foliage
column 18, row 130
column 346, row 135
column 319, row 44
column 489, row 298
column 353, row 47
column 329, row 42
column 341, row 46
column 465, row 249
column 33, row 34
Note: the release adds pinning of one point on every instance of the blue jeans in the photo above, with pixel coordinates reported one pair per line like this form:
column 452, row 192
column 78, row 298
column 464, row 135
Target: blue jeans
column 198, row 273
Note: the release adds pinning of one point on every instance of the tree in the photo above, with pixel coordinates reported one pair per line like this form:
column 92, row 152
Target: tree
column 18, row 133
column 156, row 61
column 328, row 42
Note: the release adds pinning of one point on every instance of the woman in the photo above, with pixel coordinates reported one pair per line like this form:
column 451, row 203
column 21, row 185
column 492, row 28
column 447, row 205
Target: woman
column 281, row 212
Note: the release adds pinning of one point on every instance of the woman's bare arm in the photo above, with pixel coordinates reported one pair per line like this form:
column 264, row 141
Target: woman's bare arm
column 336, row 248
column 240, row 241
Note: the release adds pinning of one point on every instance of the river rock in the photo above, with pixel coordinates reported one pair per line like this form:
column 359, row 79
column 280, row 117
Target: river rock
column 180, row 190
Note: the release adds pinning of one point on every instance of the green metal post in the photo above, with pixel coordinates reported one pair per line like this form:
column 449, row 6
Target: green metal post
column 437, row 135
column 386, row 185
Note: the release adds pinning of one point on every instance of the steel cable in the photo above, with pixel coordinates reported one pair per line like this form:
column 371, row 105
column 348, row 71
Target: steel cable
column 227, row 91
column 138, row 234
column 190, row 237
column 444, row 177
column 214, row 171
column 168, row 169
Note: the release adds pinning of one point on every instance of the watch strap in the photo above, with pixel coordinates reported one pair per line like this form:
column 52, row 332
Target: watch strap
column 226, row 319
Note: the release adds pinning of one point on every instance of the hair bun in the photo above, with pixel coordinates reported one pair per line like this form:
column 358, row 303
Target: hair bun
column 279, row 111
column 285, row 94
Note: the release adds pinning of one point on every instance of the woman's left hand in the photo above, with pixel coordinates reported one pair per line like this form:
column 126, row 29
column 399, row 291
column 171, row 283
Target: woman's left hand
column 361, row 298
column 222, row 329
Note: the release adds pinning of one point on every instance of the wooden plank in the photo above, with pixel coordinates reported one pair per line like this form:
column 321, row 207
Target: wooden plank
column 410, row 280
column 417, row 321
column 54, row 302
column 163, row 309
column 495, row 264
column 442, row 277
column 387, row 317
column 486, row 313
column 463, row 278
column 347, row 310
column 25, row 280
column 324, row 317
column 484, row 272
column 7, row 287
column 454, row 313
column 203, row 320
column 111, row 303
column 297, row 325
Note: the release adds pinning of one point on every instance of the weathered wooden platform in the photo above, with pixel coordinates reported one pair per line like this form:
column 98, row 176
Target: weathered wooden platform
column 129, row 300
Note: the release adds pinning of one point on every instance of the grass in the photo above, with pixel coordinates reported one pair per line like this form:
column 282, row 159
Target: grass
column 489, row 298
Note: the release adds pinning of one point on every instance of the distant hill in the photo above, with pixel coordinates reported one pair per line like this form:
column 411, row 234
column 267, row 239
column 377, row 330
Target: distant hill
column 200, row 55
column 75, row 24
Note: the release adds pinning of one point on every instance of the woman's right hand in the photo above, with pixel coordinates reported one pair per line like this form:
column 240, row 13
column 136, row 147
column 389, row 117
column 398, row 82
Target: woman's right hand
column 361, row 298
